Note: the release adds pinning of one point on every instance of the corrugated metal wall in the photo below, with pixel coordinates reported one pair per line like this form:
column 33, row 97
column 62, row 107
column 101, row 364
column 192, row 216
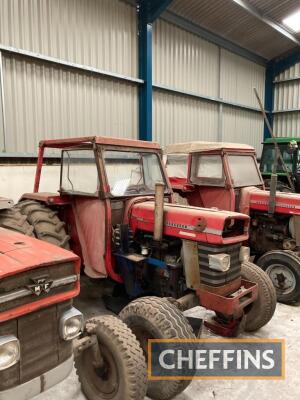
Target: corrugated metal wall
column 43, row 99
column 287, row 98
column 185, row 62
column 181, row 119
column 100, row 33
column 243, row 126
column 48, row 100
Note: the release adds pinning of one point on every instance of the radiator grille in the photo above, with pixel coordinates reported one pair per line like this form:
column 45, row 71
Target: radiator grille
column 41, row 346
column 14, row 290
column 217, row 278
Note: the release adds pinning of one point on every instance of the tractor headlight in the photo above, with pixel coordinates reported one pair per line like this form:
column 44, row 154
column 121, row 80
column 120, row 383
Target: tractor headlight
column 219, row 262
column 9, row 351
column 71, row 324
column 244, row 254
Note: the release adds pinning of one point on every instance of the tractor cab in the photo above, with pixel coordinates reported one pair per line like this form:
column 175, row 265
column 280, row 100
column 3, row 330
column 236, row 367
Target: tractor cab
column 212, row 174
column 289, row 148
column 100, row 178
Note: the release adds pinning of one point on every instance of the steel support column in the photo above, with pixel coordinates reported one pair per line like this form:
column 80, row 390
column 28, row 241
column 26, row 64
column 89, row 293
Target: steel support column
column 148, row 11
column 269, row 97
column 145, row 72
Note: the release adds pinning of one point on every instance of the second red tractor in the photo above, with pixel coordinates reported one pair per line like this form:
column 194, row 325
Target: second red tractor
column 226, row 176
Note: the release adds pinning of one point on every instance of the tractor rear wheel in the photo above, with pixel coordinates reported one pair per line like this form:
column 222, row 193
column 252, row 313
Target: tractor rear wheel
column 46, row 224
column 283, row 267
column 262, row 310
column 119, row 371
column 13, row 220
column 157, row 318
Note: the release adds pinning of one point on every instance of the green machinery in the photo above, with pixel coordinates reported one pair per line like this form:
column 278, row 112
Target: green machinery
column 289, row 147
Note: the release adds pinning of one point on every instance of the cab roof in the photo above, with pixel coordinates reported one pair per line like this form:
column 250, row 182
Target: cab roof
column 104, row 140
column 281, row 140
column 193, row 147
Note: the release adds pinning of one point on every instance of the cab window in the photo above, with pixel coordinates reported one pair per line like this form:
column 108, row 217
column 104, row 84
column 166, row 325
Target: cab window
column 207, row 170
column 79, row 173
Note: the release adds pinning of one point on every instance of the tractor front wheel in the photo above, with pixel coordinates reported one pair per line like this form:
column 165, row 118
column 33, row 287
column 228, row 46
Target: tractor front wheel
column 158, row 318
column 46, row 224
column 283, row 267
column 116, row 369
column 260, row 312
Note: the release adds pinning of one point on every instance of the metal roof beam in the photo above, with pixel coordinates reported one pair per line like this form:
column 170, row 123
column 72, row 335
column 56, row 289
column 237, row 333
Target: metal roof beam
column 268, row 21
column 283, row 63
column 156, row 8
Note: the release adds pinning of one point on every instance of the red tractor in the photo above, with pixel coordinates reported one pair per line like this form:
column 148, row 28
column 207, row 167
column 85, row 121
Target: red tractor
column 114, row 208
column 40, row 330
column 37, row 320
column 226, row 176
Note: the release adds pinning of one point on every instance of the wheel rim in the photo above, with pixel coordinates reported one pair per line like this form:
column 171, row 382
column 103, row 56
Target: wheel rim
column 282, row 277
column 106, row 378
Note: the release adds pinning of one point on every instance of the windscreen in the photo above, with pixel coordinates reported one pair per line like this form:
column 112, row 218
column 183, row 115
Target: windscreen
column 177, row 165
column 243, row 171
column 79, row 172
column 207, row 170
column 131, row 173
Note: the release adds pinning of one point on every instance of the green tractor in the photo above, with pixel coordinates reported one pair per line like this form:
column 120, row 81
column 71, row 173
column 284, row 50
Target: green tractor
column 289, row 148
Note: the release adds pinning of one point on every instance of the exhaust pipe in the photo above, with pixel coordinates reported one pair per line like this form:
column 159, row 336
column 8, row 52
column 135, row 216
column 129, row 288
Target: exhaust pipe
column 159, row 211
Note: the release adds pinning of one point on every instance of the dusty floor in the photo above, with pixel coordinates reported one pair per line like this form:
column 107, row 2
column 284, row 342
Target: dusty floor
column 285, row 324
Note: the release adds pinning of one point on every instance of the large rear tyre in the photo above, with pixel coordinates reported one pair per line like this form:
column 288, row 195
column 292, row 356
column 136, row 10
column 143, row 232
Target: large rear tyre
column 283, row 268
column 122, row 375
column 46, row 224
column 13, row 220
column 157, row 318
column 262, row 310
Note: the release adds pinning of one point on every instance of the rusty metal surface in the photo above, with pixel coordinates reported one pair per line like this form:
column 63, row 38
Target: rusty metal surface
column 191, row 264
column 297, row 229
column 102, row 140
column 159, row 211
column 233, row 304
column 20, row 254
column 225, row 289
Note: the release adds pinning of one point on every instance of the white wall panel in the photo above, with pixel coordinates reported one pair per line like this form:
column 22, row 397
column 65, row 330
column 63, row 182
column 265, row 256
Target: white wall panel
column 286, row 125
column 184, row 61
column 287, row 96
column 16, row 180
column 98, row 33
column 238, row 78
column 243, row 126
column 43, row 101
column 182, row 119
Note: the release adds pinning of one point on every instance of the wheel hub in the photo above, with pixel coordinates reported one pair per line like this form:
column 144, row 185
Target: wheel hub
column 104, row 376
column 282, row 278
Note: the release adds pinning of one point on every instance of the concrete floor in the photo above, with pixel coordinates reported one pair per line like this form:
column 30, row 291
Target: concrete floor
column 284, row 325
